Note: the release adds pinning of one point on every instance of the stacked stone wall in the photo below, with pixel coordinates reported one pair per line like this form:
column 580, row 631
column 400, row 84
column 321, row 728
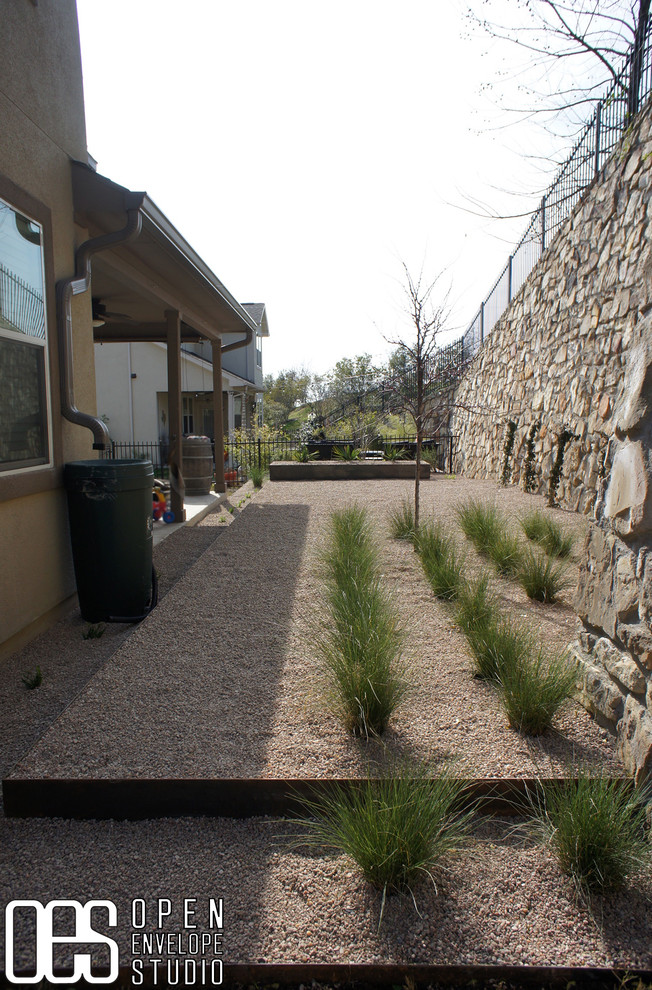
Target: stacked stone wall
column 558, row 355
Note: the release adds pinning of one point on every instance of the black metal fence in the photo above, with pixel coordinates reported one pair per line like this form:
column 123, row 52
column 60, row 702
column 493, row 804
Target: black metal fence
column 243, row 454
column 596, row 143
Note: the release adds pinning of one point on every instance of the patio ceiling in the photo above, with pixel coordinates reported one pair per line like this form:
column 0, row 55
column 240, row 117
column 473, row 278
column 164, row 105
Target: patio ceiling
column 136, row 283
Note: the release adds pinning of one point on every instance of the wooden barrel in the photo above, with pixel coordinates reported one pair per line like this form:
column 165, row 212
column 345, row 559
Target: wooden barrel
column 197, row 455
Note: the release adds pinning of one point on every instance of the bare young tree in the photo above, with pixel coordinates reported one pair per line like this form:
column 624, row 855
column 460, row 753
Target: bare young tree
column 580, row 46
column 411, row 385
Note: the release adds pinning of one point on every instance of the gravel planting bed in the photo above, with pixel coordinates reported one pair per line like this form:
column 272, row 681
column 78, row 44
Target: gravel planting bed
column 220, row 680
column 502, row 901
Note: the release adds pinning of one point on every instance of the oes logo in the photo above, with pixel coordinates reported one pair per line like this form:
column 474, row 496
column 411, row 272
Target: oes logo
column 46, row 940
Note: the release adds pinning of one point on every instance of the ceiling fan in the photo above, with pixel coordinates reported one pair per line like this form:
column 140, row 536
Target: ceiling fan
column 101, row 314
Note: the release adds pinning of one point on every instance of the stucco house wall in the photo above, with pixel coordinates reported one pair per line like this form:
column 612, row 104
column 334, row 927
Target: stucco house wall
column 42, row 109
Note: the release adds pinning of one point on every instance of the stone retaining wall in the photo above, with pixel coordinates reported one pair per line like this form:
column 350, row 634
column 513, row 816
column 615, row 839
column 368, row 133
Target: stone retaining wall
column 557, row 356
column 614, row 601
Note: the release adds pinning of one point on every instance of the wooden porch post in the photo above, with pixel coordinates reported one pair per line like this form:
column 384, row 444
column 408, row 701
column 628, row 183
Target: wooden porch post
column 175, row 457
column 218, row 416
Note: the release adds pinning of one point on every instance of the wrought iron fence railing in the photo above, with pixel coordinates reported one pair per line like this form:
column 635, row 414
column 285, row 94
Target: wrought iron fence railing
column 241, row 454
column 593, row 148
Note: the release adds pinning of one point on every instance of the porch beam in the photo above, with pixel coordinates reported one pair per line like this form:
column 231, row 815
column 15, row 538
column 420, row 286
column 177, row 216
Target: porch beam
column 134, row 332
column 218, row 416
column 175, row 419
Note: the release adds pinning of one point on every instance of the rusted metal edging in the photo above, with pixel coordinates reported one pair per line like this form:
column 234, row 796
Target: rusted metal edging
column 367, row 976
column 136, row 799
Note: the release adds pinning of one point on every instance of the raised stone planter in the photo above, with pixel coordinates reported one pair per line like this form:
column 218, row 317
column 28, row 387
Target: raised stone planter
column 344, row 470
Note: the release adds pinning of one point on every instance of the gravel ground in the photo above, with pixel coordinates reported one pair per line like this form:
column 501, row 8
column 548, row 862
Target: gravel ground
column 502, row 900
column 222, row 678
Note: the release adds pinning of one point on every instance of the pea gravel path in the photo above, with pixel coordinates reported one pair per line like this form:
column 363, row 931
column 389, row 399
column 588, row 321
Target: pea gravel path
column 221, row 680
column 501, row 901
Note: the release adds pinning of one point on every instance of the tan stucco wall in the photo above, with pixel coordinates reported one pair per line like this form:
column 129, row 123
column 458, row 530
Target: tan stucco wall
column 41, row 107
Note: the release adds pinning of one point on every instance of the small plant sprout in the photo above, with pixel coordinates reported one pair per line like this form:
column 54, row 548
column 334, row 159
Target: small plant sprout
column 257, row 475
column 94, row 632
column 596, row 828
column 396, row 829
column 34, row 680
column 401, row 521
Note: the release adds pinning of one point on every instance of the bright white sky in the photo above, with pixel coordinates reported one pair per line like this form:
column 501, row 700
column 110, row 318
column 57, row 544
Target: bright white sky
column 306, row 149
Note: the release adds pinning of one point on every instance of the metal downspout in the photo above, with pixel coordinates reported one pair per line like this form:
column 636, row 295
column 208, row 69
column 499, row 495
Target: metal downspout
column 249, row 334
column 74, row 286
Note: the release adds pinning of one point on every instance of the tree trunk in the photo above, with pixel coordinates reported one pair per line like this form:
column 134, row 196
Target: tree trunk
column 418, row 422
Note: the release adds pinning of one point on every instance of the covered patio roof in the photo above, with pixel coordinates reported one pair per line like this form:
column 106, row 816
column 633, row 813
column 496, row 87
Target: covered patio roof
column 133, row 284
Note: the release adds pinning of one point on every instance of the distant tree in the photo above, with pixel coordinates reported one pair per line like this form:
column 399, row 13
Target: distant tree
column 415, row 363
column 283, row 392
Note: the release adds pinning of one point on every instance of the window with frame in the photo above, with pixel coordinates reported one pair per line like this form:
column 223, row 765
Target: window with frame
column 24, row 430
column 259, row 351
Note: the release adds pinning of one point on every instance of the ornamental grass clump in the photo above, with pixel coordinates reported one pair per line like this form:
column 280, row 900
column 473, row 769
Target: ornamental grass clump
column 505, row 553
column 533, row 689
column 548, row 534
column 441, row 563
column 542, row 578
column 362, row 644
column 396, row 829
column 596, row 828
column 498, row 646
column 482, row 524
column 401, row 522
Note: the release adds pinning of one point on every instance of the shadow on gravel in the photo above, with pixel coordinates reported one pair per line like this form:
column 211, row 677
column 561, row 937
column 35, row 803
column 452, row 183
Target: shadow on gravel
column 68, row 661
column 191, row 694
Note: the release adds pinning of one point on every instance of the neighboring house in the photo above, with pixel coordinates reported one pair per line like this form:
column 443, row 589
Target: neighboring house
column 132, row 385
column 69, row 236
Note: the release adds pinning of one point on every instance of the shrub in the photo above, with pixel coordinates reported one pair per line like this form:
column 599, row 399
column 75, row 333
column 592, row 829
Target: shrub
column 541, row 577
column 256, row 474
column 563, row 440
column 529, row 473
column 32, row 681
column 533, row 689
column 362, row 645
column 392, row 453
column 396, row 829
column 441, row 564
column 347, row 453
column 401, row 521
column 506, row 472
column 595, row 827
column 431, row 456
column 303, row 455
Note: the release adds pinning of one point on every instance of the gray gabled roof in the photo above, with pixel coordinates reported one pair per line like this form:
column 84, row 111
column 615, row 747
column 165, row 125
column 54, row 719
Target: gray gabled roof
column 259, row 316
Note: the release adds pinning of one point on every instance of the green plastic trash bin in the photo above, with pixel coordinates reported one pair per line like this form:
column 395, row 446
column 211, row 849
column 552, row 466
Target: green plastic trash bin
column 110, row 510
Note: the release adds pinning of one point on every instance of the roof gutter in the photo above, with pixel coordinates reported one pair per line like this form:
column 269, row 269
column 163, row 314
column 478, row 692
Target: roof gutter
column 74, row 286
column 248, row 337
